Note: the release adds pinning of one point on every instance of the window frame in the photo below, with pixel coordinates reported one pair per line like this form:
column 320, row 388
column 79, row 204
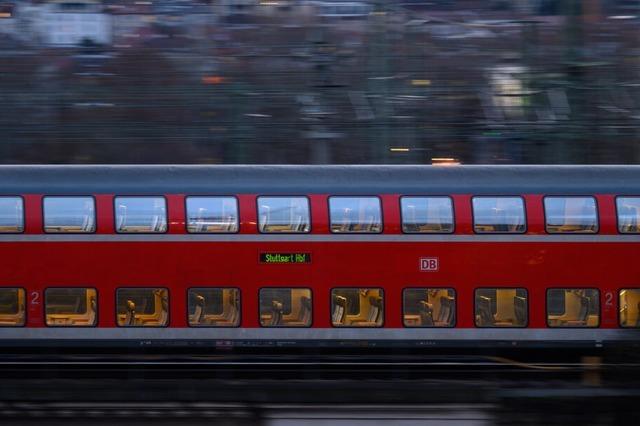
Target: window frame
column 115, row 214
column 455, row 307
column 95, row 214
column 524, row 211
column 453, row 214
column 285, row 326
column 188, row 289
column 44, row 306
column 168, row 324
column 544, row 214
column 546, row 308
column 384, row 310
column 475, row 313
column 186, row 214
column 26, row 311
column 24, row 218
column 615, row 202
column 260, row 231
column 382, row 219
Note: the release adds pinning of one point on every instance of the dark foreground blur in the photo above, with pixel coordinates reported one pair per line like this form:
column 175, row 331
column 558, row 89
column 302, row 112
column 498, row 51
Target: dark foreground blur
column 286, row 81
column 347, row 389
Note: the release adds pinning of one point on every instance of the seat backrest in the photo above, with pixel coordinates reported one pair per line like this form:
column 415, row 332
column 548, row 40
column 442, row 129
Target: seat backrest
column 584, row 308
column 638, row 317
column 520, row 310
column 305, row 315
column 276, row 313
column 375, row 309
column 130, row 316
column 339, row 308
column 445, row 309
column 450, row 311
column 484, row 311
column 198, row 314
column 93, row 309
column 426, row 314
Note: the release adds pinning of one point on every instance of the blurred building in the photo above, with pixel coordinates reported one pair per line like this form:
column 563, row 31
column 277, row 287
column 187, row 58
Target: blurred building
column 65, row 23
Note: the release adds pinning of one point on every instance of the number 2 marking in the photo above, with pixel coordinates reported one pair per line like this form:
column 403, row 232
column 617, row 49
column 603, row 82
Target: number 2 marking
column 35, row 296
column 608, row 298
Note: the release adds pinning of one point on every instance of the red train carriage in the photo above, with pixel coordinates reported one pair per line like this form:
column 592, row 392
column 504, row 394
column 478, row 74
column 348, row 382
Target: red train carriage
column 383, row 255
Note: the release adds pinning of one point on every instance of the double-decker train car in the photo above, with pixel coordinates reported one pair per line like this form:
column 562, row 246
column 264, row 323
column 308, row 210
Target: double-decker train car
column 245, row 256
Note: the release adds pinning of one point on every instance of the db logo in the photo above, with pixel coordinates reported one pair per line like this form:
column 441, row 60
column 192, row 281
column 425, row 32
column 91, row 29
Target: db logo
column 429, row 264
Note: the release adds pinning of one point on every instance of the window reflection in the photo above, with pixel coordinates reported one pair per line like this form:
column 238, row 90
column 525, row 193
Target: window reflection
column 283, row 214
column 571, row 214
column 426, row 214
column 498, row 214
column 212, row 214
column 355, row 214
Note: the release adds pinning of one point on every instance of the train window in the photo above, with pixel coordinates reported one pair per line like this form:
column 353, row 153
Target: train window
column 143, row 307
column 501, row 307
column 498, row 214
column 69, row 214
column 571, row 214
column 77, row 307
column 628, row 214
column 355, row 214
column 429, row 307
column 141, row 214
column 285, row 307
column 283, row 214
column 12, row 307
column 573, row 307
column 212, row 214
column 629, row 299
column 214, row 307
column 427, row 214
column 11, row 214
column 357, row 307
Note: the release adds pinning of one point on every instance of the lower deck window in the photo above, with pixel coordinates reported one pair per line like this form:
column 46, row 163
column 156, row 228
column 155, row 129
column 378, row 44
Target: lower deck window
column 285, row 307
column 573, row 307
column 630, row 307
column 76, row 307
column 429, row 307
column 357, row 307
column 214, row 307
column 501, row 307
column 12, row 307
column 143, row 307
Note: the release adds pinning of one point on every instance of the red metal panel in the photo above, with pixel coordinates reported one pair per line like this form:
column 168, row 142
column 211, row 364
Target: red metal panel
column 105, row 220
column 33, row 223
column 462, row 213
column 176, row 214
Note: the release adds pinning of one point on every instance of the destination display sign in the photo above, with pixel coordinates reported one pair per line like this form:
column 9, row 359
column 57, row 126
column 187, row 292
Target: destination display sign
column 285, row 258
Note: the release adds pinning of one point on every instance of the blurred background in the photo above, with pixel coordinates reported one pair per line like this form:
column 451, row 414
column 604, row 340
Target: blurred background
column 296, row 81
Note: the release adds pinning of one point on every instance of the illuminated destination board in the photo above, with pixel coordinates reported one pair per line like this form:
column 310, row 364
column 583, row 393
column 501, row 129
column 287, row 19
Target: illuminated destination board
column 285, row 258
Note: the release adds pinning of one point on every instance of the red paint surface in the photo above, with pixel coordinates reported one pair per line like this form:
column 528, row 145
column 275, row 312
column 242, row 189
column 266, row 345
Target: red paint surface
column 178, row 266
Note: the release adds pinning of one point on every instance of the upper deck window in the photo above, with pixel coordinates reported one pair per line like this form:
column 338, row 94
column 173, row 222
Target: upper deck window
column 498, row 214
column 212, row 214
column 571, row 214
column 11, row 214
column 69, row 214
column 628, row 214
column 427, row 214
column 355, row 214
column 283, row 214
column 141, row 214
